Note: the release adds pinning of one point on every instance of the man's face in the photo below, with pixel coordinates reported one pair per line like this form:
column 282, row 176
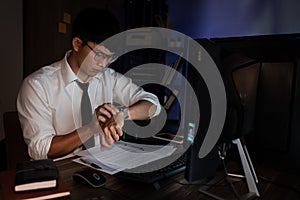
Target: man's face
column 97, row 58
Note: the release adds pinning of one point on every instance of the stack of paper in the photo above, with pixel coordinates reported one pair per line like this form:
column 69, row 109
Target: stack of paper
column 123, row 155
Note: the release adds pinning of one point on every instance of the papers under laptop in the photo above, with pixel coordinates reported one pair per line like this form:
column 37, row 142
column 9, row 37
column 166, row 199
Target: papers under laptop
column 123, row 155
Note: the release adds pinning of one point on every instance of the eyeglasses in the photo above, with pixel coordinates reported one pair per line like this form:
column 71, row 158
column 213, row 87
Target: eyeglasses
column 99, row 56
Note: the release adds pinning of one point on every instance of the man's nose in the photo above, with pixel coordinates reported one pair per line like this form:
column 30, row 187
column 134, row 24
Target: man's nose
column 102, row 62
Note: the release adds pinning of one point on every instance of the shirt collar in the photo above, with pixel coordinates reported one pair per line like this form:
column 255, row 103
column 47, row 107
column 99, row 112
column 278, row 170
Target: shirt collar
column 68, row 75
column 100, row 74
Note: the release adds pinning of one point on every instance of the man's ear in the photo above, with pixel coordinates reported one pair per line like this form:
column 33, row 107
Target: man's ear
column 77, row 43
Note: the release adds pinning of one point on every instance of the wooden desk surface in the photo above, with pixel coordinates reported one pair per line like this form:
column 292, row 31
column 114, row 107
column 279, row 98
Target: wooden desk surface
column 124, row 190
column 116, row 188
column 120, row 189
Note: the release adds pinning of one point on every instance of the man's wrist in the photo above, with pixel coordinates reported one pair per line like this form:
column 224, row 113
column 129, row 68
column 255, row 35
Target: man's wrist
column 125, row 112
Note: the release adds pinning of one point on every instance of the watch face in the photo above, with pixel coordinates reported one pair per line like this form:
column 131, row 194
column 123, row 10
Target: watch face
column 125, row 111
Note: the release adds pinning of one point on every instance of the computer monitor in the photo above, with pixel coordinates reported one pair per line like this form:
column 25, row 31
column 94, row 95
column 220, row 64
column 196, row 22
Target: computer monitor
column 240, row 75
column 200, row 168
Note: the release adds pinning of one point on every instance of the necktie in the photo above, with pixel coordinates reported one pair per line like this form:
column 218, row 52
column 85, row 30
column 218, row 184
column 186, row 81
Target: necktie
column 86, row 112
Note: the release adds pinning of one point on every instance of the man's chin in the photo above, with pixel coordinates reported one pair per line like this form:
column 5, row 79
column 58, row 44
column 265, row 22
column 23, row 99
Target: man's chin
column 97, row 71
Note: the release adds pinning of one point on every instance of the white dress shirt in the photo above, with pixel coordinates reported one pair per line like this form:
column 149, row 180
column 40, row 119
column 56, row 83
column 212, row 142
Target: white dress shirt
column 49, row 102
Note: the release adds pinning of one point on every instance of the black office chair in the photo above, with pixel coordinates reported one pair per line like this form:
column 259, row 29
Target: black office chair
column 16, row 148
column 240, row 75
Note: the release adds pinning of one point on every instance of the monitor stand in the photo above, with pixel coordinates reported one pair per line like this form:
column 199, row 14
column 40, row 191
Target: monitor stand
column 249, row 172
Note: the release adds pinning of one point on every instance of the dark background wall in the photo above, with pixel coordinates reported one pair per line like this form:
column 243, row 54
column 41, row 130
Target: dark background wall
column 11, row 55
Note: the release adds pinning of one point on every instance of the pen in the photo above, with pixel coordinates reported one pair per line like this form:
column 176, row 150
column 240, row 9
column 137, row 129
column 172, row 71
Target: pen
column 133, row 146
column 90, row 163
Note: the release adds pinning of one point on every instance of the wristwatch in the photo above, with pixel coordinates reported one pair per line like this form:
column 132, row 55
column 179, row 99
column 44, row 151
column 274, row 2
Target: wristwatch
column 125, row 111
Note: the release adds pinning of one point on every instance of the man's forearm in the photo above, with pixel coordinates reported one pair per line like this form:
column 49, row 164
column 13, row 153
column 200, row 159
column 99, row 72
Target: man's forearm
column 141, row 110
column 64, row 144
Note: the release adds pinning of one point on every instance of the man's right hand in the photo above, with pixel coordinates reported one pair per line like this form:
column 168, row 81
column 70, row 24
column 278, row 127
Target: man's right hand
column 111, row 121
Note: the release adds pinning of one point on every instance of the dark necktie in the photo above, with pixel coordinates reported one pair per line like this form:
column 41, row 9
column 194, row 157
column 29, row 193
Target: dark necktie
column 86, row 112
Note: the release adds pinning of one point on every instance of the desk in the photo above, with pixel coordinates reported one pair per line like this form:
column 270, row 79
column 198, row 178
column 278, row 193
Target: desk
column 122, row 189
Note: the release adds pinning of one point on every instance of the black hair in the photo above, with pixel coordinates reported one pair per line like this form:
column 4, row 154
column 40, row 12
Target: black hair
column 95, row 25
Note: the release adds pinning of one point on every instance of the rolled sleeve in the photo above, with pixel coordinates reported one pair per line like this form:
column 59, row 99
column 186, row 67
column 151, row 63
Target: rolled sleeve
column 129, row 93
column 35, row 119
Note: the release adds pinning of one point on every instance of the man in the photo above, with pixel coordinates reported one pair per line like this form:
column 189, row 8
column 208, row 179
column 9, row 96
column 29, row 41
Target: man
column 49, row 101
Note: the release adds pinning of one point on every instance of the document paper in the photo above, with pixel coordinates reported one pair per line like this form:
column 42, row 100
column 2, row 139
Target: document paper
column 123, row 155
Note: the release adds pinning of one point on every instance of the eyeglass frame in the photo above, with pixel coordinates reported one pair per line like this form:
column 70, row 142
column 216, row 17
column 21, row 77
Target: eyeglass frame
column 100, row 56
